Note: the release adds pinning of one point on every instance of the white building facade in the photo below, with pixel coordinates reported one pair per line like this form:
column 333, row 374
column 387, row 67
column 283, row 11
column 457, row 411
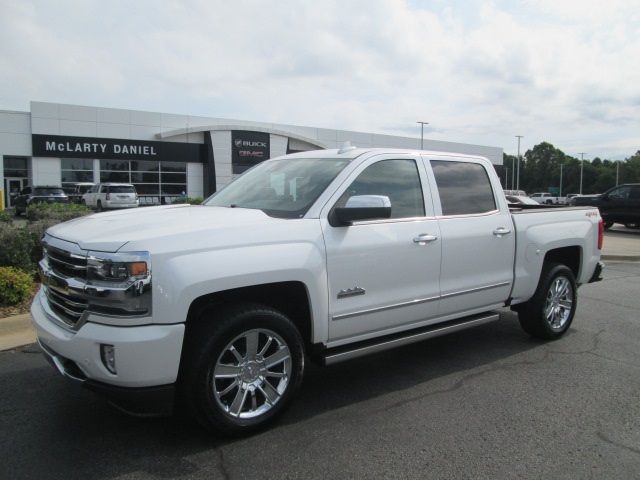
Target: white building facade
column 164, row 155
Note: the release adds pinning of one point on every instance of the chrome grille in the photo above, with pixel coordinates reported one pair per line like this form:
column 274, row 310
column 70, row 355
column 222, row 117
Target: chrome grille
column 66, row 263
column 69, row 307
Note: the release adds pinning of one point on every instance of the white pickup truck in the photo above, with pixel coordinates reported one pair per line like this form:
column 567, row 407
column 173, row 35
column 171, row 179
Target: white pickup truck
column 325, row 255
column 546, row 198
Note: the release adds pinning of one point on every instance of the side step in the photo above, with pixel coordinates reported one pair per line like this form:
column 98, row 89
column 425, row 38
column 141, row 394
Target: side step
column 347, row 352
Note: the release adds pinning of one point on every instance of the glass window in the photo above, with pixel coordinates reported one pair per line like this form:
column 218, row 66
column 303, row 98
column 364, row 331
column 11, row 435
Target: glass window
column 117, row 177
column 174, row 167
column 119, row 165
column 620, row 193
column 47, row 191
column 15, row 167
column 147, row 189
column 174, row 177
column 144, row 166
column 77, row 164
column 173, row 189
column 464, row 188
column 73, row 176
column 144, row 177
column 396, row 179
column 263, row 187
column 120, row 189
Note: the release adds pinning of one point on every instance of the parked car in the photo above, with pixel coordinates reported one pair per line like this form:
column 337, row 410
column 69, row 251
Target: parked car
column 520, row 200
column 619, row 204
column 517, row 193
column 31, row 195
column 325, row 255
column 548, row 198
column 105, row 196
column 77, row 190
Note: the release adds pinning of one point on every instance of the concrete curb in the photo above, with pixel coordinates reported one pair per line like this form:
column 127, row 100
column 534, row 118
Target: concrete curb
column 621, row 258
column 16, row 331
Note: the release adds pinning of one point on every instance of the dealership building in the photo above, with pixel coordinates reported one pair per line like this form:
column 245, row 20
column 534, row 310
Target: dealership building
column 163, row 154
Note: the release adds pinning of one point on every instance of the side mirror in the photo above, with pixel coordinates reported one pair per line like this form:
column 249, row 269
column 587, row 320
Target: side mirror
column 361, row 207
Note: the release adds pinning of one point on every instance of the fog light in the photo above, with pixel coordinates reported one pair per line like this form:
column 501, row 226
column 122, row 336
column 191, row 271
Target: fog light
column 108, row 356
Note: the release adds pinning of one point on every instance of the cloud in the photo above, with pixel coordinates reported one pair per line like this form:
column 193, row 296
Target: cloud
column 478, row 71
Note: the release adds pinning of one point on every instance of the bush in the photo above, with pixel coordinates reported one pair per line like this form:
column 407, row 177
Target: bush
column 15, row 286
column 56, row 212
column 18, row 245
column 5, row 217
column 189, row 200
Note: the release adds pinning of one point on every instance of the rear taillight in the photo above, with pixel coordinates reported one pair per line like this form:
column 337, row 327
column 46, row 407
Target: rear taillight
column 108, row 197
column 600, row 234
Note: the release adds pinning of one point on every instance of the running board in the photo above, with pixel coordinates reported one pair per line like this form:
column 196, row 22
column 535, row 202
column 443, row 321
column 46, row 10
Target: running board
column 347, row 352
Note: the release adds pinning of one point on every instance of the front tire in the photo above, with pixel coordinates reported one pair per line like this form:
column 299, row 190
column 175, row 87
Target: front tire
column 241, row 369
column 549, row 313
column 99, row 206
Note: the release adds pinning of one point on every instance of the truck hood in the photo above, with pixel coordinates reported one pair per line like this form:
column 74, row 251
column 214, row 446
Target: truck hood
column 110, row 231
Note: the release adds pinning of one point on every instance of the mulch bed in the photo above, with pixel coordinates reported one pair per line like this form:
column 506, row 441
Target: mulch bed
column 21, row 307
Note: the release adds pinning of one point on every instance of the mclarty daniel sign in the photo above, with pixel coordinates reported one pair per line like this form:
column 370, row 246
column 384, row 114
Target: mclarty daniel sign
column 247, row 149
column 115, row 148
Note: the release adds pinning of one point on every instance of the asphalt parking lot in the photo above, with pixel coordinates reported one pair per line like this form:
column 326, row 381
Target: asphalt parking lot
column 484, row 403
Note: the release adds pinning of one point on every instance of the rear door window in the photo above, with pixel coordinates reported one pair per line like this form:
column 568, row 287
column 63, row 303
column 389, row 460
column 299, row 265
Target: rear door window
column 464, row 188
column 120, row 189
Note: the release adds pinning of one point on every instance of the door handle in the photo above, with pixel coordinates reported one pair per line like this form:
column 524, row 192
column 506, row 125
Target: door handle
column 500, row 231
column 424, row 238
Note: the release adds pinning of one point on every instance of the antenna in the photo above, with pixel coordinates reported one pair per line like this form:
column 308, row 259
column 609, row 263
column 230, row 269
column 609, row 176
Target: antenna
column 346, row 147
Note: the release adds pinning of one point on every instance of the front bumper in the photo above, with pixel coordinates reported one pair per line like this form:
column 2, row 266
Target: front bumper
column 147, row 357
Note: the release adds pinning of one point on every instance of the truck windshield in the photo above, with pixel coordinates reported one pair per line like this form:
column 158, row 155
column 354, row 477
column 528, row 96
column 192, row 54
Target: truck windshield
column 280, row 188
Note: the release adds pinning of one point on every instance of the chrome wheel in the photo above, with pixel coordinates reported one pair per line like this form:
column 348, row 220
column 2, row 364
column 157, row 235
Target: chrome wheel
column 252, row 373
column 559, row 303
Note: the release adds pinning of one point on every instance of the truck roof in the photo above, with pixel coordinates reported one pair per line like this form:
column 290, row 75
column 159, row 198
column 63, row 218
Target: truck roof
column 354, row 152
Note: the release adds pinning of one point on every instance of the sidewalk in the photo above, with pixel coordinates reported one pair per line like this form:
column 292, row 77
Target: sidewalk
column 620, row 244
column 16, row 331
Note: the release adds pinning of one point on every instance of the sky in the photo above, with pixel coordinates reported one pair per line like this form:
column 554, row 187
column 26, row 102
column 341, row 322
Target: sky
column 562, row 71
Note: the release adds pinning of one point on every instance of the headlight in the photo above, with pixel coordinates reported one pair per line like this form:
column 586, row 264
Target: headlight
column 120, row 268
column 119, row 284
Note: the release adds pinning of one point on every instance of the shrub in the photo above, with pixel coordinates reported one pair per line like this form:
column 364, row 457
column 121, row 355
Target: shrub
column 56, row 212
column 17, row 247
column 15, row 286
column 189, row 200
column 5, row 217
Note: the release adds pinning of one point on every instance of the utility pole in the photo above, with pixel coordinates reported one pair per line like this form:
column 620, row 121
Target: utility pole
column 422, row 124
column 582, row 154
column 506, row 178
column 513, row 173
column 518, row 174
column 617, row 172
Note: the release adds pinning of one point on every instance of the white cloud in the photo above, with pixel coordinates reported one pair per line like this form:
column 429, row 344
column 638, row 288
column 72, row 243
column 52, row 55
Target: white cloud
column 478, row 71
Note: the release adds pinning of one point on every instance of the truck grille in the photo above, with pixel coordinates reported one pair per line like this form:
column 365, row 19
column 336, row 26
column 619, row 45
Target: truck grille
column 69, row 307
column 64, row 284
column 66, row 263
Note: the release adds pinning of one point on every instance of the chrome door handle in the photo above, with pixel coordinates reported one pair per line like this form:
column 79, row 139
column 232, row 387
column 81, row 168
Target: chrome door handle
column 500, row 231
column 423, row 238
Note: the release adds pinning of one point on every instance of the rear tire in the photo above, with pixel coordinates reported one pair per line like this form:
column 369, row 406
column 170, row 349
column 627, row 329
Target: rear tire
column 232, row 387
column 608, row 225
column 99, row 206
column 549, row 313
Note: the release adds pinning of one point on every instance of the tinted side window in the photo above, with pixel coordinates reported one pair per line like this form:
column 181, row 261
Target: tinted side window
column 621, row 193
column 464, row 188
column 397, row 179
column 635, row 193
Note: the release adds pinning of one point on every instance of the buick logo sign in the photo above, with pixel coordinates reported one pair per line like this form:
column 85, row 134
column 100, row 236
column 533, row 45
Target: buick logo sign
column 238, row 142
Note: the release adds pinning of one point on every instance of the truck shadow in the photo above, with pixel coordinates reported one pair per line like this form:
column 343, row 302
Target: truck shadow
column 53, row 429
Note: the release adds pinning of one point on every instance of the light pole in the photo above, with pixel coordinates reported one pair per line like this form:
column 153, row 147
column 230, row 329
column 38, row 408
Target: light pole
column 582, row 154
column 518, row 174
column 506, row 178
column 561, row 165
column 422, row 124
column 617, row 172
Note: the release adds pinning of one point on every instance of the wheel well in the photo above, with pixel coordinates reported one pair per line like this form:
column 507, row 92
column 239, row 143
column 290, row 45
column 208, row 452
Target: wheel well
column 569, row 256
column 290, row 298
